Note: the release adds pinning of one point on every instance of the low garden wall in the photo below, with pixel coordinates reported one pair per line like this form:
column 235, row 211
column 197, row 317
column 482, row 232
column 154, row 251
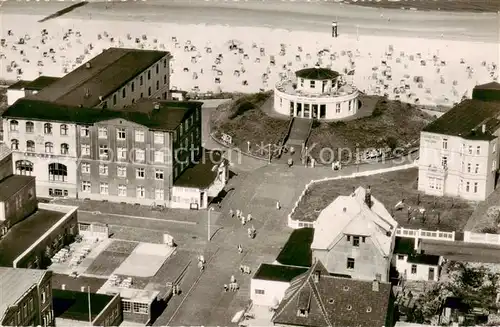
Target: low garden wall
column 483, row 238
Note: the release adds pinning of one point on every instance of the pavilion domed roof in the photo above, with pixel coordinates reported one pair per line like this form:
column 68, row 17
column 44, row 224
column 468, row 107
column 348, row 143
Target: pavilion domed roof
column 317, row 73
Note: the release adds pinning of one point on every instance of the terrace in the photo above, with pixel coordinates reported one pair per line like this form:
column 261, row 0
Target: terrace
column 289, row 87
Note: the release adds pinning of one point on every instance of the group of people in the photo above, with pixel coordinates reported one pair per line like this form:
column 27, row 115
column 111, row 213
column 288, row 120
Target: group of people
column 201, row 262
column 239, row 215
column 245, row 269
column 233, row 285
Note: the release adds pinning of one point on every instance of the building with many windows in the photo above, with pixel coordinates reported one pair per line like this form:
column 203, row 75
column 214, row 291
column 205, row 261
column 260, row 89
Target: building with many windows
column 459, row 150
column 316, row 93
column 25, row 297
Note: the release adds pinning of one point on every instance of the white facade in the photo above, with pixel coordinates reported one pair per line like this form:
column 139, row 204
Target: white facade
column 316, row 99
column 267, row 292
column 46, row 150
column 454, row 166
column 416, row 271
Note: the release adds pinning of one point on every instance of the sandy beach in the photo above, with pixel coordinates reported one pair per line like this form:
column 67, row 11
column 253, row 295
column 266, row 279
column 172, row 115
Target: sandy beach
column 419, row 57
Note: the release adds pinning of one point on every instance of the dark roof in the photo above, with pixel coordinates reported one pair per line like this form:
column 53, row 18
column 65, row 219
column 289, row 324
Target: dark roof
column 23, row 234
column 466, row 119
column 75, row 284
column 297, row 250
column 75, row 305
column 316, row 73
column 168, row 117
column 107, row 73
column 488, row 86
column 41, row 83
column 424, row 259
column 203, row 174
column 278, row 273
column 404, row 245
column 19, row 85
column 12, row 184
column 333, row 301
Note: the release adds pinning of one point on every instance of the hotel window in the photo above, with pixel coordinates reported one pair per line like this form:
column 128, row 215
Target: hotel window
column 140, row 173
column 85, row 168
column 132, row 87
column 14, row 125
column 127, row 306
column 122, row 153
column 260, row 292
column 120, row 133
column 139, row 136
column 103, row 132
column 47, row 128
column 30, row 146
column 157, row 68
column 84, row 131
column 159, row 194
column 64, row 148
column 445, row 144
column 355, row 241
column 337, row 107
column 124, row 93
column 139, row 155
column 301, row 82
column 103, row 151
column 432, row 183
column 141, row 192
column 439, row 184
column 444, row 162
column 158, row 137
column 49, row 147
column 312, row 84
column 149, row 75
column 64, row 129
column 44, row 297
column 164, row 79
column 164, row 63
column 478, row 150
column 25, row 310
column 103, row 170
column 86, row 186
column 468, row 167
column 467, row 187
column 157, row 85
column 350, row 263
column 14, row 144
column 30, row 127
column 470, row 149
column 461, row 185
column 477, row 169
column 141, row 307
column 58, row 172
column 122, row 190
column 104, row 188
column 149, row 91
column 31, row 305
column 159, row 157
column 114, row 99
column 85, row 149
column 413, row 269
column 401, row 257
column 475, row 187
column 121, row 171
column 159, row 174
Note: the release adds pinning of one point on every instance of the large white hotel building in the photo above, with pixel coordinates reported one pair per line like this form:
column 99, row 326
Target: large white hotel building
column 459, row 154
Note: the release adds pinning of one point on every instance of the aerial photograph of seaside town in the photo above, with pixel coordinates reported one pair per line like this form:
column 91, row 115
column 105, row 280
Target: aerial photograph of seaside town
column 315, row 163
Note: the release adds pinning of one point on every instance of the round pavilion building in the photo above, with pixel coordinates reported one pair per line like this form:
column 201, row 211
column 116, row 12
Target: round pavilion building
column 316, row 93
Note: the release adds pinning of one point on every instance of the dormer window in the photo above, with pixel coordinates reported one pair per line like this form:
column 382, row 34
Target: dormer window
column 355, row 241
column 302, row 313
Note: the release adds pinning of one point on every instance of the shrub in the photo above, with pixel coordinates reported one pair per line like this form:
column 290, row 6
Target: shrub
column 241, row 108
column 380, row 108
column 316, row 123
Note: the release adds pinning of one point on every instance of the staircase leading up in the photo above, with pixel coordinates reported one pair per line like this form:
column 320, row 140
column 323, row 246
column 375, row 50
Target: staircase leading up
column 299, row 132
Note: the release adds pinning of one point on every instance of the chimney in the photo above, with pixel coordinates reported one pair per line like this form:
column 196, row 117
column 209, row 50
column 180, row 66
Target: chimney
column 317, row 275
column 483, row 128
column 376, row 283
column 63, row 287
column 88, row 65
column 368, row 197
column 82, row 288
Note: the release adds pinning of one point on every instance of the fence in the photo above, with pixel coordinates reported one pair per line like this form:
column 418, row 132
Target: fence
column 299, row 224
column 425, row 234
column 484, row 238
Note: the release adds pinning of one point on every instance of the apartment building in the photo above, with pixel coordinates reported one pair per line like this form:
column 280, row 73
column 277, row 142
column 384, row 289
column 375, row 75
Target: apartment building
column 459, row 151
column 26, row 297
column 45, row 145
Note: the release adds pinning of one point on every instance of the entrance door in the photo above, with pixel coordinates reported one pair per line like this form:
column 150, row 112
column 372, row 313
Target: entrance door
column 431, row 273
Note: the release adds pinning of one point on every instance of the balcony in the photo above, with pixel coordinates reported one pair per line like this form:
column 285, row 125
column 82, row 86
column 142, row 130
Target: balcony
column 289, row 88
column 437, row 171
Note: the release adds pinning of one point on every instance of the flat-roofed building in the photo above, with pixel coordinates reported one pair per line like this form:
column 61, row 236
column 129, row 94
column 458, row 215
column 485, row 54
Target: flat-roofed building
column 459, row 153
column 25, row 297
column 72, row 308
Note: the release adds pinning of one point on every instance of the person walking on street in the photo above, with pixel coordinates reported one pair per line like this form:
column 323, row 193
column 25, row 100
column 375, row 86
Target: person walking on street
column 278, row 205
column 226, row 288
column 240, row 249
column 231, row 213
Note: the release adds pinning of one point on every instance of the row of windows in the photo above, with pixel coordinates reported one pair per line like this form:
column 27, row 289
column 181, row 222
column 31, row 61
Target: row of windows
column 30, row 146
column 57, row 172
column 30, row 128
column 121, row 134
column 468, row 187
column 121, row 171
column 25, row 310
column 135, row 307
column 140, row 191
column 121, row 153
column 141, row 83
column 435, row 183
column 356, row 239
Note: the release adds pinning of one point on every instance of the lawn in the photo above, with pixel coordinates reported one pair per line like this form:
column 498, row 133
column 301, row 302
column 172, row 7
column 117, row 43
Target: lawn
column 442, row 213
column 244, row 121
column 392, row 124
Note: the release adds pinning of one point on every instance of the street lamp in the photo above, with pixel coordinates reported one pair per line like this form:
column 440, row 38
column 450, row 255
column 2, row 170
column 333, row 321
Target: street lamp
column 208, row 224
column 248, row 146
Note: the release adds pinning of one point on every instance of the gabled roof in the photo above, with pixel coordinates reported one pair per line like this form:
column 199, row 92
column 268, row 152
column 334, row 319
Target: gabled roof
column 350, row 215
column 100, row 76
column 169, row 115
column 14, row 282
column 333, row 301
